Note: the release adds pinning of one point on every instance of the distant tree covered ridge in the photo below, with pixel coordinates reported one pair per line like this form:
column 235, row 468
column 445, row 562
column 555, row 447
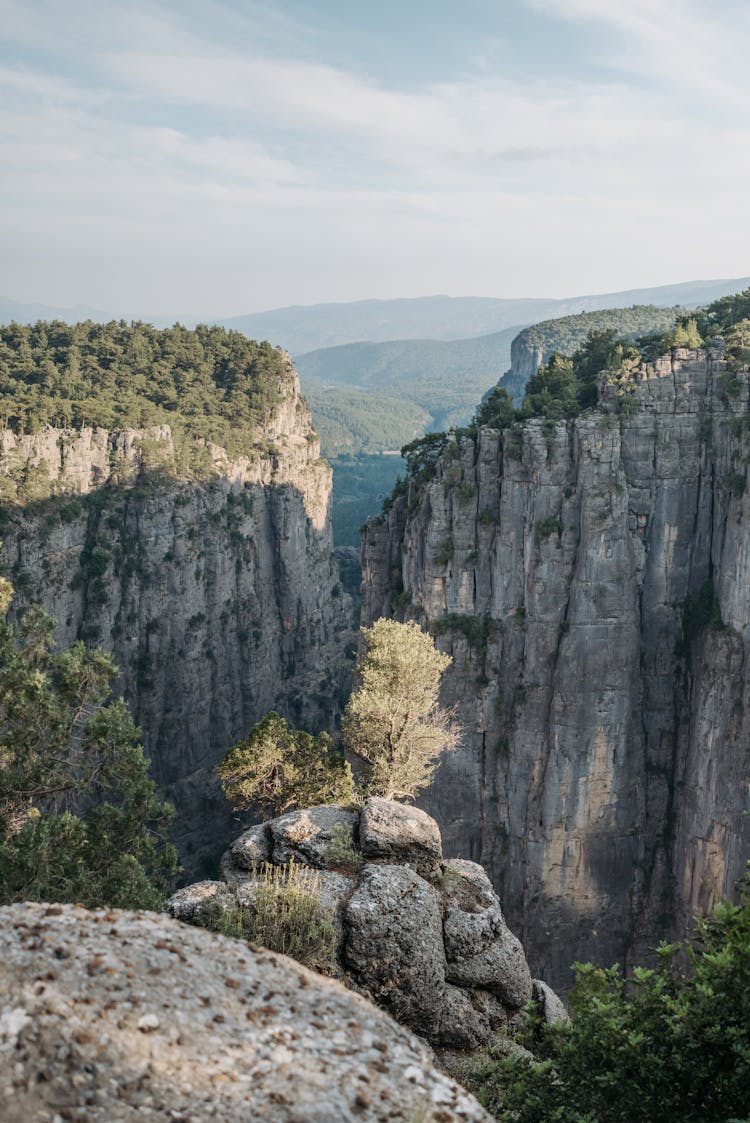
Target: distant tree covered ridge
column 567, row 333
column 207, row 384
column 567, row 384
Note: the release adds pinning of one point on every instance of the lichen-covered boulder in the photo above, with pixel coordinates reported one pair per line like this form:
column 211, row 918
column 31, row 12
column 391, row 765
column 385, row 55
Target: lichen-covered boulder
column 423, row 936
column 393, row 832
column 248, row 851
column 114, row 1016
column 394, row 950
column 194, row 900
column 316, row 836
column 480, row 949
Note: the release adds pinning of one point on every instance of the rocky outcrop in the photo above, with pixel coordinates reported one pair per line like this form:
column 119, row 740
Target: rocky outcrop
column 217, row 595
column 114, row 1016
column 591, row 579
column 422, row 936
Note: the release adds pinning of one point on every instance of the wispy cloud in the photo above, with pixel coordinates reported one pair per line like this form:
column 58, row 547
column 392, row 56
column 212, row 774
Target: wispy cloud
column 176, row 134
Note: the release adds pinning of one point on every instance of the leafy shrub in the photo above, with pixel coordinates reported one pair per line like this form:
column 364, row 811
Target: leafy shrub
column 671, row 1044
column 477, row 629
column 80, row 819
column 547, row 527
column 279, row 768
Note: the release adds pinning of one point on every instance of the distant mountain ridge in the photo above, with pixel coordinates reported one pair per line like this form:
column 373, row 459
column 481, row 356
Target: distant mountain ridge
column 306, row 328
column 303, row 328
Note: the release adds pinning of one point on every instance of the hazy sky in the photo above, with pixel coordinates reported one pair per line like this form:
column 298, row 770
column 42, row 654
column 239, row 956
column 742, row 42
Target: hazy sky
column 226, row 156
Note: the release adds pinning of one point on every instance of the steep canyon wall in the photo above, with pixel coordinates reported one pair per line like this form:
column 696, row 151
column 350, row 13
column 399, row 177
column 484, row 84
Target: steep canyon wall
column 217, row 596
column 591, row 579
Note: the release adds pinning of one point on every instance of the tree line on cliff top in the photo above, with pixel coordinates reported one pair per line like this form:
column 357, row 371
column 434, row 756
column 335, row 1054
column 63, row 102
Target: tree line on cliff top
column 207, row 384
column 566, row 385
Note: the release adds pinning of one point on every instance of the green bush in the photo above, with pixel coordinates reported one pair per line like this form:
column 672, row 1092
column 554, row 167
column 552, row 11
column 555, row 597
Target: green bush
column 547, row 527
column 80, row 819
column 671, row 1044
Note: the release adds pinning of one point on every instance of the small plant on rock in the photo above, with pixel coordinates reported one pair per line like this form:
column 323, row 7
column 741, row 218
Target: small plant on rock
column 283, row 914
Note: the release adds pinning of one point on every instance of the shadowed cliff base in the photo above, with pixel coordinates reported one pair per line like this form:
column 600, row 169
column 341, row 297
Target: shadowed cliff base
column 218, row 598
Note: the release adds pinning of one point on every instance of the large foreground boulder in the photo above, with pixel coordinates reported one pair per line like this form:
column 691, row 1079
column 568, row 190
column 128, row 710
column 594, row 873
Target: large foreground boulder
column 421, row 935
column 109, row 1016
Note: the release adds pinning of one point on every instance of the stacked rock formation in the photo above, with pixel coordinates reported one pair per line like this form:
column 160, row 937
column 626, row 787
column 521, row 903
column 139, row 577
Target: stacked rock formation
column 112, row 1016
column 423, row 936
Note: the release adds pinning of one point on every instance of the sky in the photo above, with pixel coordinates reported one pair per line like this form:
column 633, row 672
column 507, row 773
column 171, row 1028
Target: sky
column 220, row 157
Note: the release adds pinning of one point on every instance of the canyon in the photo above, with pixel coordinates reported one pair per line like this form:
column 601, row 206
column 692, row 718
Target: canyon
column 590, row 578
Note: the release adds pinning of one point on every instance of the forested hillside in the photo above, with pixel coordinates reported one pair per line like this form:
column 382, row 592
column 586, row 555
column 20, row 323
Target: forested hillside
column 534, row 345
column 207, row 384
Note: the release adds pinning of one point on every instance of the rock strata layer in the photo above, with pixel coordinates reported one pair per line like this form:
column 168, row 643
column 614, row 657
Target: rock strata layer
column 422, row 936
column 114, row 1016
column 218, row 597
column 591, row 579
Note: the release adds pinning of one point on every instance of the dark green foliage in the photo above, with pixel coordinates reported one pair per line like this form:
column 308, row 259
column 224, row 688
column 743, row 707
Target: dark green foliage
column 672, row 1044
column 721, row 316
column 422, row 455
column 566, row 386
column 477, row 630
column 79, row 817
column 546, row 527
column 701, row 613
column 278, row 768
column 444, row 552
column 207, row 384
column 496, row 411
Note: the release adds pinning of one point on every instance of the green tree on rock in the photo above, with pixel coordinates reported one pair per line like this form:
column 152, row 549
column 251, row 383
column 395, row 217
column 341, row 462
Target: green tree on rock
column 280, row 768
column 80, row 819
column 393, row 721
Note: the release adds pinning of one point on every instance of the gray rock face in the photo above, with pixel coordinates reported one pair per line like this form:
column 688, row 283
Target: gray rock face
column 313, row 836
column 401, row 834
column 136, row 1015
column 549, row 1005
column 602, row 779
column 250, row 849
column 431, row 947
column 188, row 903
column 216, row 597
column 481, row 951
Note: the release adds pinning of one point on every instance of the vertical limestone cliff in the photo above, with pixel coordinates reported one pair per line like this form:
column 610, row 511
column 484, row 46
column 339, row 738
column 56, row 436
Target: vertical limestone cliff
column 218, row 597
column 591, row 579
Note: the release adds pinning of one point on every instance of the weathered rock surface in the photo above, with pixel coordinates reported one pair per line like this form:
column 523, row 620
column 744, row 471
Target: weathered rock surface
column 398, row 833
column 603, row 776
column 115, row 1016
column 218, row 598
column 311, row 836
column 549, row 1005
column 423, row 937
